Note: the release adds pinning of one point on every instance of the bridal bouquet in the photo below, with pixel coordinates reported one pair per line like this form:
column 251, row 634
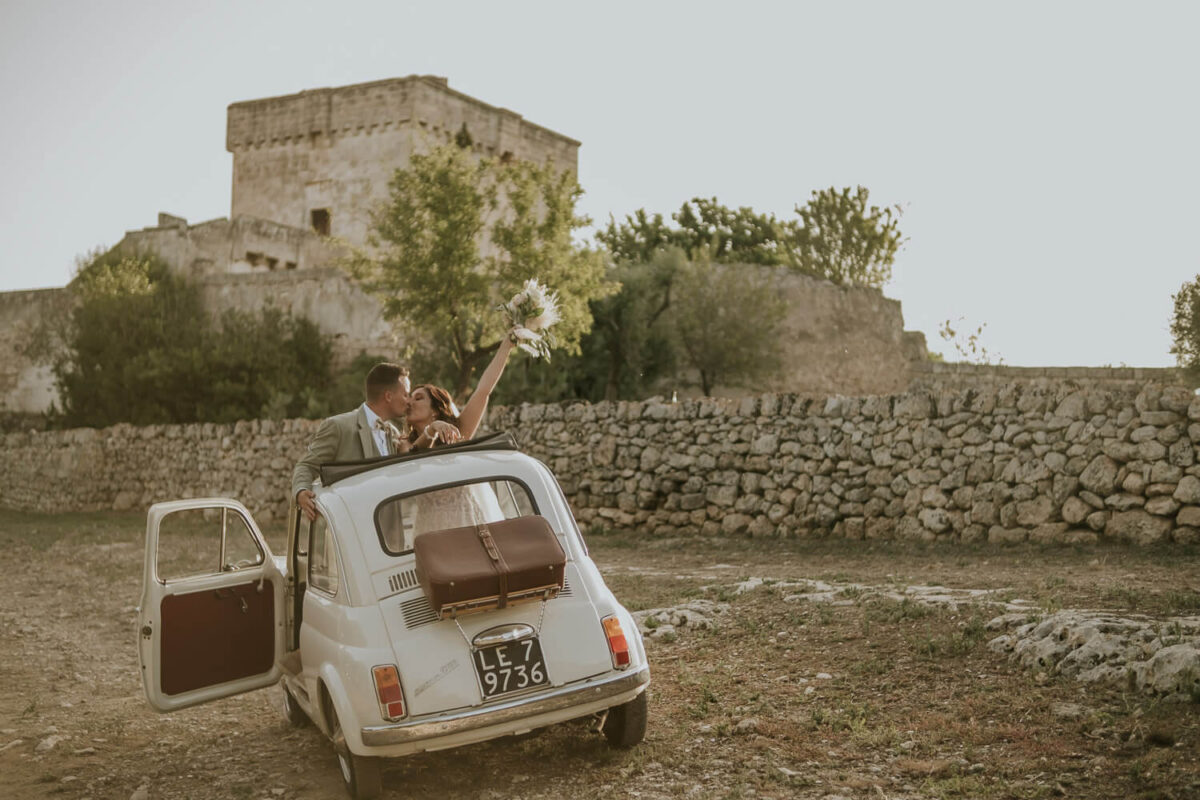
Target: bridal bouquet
column 530, row 313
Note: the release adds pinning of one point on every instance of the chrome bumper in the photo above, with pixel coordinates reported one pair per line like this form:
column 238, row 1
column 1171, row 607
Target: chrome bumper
column 511, row 711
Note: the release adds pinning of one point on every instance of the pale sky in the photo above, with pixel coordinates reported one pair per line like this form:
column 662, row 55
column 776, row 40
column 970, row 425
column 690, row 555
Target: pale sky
column 1046, row 153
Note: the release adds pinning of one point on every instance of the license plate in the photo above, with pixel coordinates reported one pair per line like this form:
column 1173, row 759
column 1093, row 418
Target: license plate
column 510, row 667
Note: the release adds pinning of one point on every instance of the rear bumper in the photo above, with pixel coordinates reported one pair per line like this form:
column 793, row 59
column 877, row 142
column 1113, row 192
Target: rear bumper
column 556, row 706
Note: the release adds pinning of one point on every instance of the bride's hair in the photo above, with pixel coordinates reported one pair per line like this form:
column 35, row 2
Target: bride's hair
column 442, row 404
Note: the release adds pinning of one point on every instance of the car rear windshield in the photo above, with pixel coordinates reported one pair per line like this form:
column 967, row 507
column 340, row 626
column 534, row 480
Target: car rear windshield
column 400, row 520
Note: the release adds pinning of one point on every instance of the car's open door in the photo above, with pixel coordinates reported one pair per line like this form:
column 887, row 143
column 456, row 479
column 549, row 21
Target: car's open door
column 210, row 623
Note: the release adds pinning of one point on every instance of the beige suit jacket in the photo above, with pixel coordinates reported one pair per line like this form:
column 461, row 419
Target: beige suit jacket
column 345, row 437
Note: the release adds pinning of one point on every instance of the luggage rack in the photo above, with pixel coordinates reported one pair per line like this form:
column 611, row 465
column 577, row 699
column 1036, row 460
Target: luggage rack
column 336, row 471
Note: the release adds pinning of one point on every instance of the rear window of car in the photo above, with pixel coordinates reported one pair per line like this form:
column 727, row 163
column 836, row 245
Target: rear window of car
column 400, row 520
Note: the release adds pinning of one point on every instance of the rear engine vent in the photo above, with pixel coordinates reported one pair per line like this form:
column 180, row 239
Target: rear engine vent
column 417, row 612
column 402, row 580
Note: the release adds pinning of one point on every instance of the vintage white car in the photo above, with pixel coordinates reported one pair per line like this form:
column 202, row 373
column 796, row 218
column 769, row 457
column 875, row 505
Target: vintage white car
column 342, row 621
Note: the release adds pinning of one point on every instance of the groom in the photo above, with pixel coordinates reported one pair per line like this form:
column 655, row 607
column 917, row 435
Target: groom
column 356, row 434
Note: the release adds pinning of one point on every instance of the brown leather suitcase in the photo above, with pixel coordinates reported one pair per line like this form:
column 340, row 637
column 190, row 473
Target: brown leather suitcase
column 487, row 566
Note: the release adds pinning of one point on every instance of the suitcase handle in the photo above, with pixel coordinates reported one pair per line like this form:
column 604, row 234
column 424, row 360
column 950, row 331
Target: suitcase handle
column 489, row 545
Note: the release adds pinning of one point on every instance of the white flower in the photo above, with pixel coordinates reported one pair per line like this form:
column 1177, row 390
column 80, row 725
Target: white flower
column 524, row 334
column 530, row 311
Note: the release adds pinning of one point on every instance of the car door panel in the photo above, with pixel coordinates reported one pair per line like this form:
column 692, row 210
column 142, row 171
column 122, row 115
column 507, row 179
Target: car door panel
column 216, row 636
column 213, row 633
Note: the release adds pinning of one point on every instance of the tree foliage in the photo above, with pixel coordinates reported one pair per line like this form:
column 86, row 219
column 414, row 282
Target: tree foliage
column 842, row 239
column 459, row 235
column 836, row 236
column 630, row 346
column 728, row 323
column 727, row 235
column 1185, row 329
column 138, row 346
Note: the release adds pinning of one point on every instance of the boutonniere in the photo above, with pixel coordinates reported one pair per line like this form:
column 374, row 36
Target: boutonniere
column 395, row 437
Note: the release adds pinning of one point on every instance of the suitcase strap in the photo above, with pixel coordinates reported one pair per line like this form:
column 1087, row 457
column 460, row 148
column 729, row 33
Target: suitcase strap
column 489, row 546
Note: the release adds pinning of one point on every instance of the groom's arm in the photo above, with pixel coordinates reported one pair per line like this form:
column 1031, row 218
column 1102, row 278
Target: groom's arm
column 321, row 450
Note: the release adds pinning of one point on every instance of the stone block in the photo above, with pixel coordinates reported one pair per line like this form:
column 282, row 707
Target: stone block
column 1159, row 418
column 1138, row 527
column 1080, row 537
column 1075, row 511
column 724, row 496
column 935, row 519
column 881, row 528
column 1097, row 520
column 1186, row 535
column 1034, row 512
column 1188, row 516
column 735, row 523
column 1121, row 451
column 1049, row 533
column 1124, row 502
column 1188, row 490
column 1177, row 399
column 1162, row 506
column 1100, row 475
column 1001, row 535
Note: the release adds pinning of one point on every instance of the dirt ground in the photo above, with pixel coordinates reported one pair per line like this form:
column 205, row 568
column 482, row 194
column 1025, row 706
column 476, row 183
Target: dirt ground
column 864, row 698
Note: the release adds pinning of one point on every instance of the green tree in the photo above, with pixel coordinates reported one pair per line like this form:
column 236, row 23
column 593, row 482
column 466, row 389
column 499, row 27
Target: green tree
column 630, row 345
column 138, row 346
column 460, row 235
column 728, row 323
column 729, row 235
column 1185, row 329
column 840, row 238
column 129, row 342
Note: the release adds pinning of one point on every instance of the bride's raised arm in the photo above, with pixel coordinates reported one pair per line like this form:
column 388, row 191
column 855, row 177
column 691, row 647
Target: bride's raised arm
column 472, row 413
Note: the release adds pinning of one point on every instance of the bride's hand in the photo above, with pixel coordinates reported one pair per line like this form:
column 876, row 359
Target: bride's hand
column 440, row 429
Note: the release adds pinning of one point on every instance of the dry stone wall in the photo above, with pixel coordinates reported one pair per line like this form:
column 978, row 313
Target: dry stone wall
column 1048, row 464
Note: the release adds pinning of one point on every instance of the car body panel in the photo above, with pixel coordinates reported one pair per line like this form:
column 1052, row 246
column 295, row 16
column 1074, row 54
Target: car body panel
column 377, row 615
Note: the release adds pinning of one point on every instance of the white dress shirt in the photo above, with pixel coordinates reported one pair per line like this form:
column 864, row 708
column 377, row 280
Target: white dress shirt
column 380, row 436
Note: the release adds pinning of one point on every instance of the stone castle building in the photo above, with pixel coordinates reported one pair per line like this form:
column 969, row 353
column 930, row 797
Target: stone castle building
column 306, row 167
column 315, row 164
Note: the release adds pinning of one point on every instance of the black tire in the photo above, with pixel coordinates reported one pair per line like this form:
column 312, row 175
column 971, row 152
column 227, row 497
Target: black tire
column 292, row 711
column 360, row 774
column 626, row 724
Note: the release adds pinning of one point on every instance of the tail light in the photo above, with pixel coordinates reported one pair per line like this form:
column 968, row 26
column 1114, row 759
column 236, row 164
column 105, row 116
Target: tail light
column 617, row 644
column 387, row 689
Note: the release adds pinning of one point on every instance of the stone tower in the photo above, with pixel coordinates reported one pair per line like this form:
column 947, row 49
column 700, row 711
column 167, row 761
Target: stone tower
column 321, row 159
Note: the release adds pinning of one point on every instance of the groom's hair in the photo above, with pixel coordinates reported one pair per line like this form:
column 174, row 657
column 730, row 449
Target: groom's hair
column 382, row 378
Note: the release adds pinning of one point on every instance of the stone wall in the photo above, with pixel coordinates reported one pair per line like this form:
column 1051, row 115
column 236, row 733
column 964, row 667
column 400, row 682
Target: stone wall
column 26, row 387
column 1014, row 463
column 938, row 376
column 326, row 296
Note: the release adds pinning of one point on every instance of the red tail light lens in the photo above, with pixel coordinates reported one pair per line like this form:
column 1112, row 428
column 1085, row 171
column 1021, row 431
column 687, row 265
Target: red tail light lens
column 617, row 644
column 387, row 689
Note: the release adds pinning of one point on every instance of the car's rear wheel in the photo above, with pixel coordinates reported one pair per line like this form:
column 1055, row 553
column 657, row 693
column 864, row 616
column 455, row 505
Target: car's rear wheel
column 626, row 724
column 291, row 709
column 360, row 774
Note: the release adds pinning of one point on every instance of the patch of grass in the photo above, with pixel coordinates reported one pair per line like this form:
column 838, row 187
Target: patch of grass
column 891, row 611
column 1124, row 596
column 1182, row 602
column 956, row 786
column 701, row 708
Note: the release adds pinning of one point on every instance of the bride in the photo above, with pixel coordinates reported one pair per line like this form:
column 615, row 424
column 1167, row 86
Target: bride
column 433, row 418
